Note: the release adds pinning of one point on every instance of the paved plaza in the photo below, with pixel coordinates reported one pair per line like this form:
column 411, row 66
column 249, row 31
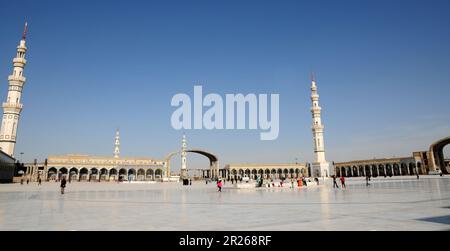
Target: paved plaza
column 388, row 204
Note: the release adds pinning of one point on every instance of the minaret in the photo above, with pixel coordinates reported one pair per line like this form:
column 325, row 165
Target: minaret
column 183, row 157
column 117, row 145
column 320, row 167
column 12, row 107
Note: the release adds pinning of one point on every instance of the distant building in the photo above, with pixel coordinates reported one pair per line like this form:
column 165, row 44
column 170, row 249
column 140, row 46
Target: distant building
column 79, row 167
column 266, row 171
column 419, row 163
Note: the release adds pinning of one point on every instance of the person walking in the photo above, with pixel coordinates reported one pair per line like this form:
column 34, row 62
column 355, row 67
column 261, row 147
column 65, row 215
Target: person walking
column 219, row 185
column 335, row 184
column 39, row 181
column 343, row 182
column 63, row 184
column 28, row 181
column 367, row 180
column 190, row 182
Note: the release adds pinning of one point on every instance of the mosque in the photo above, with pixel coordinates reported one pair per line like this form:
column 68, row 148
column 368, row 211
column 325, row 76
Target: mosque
column 116, row 167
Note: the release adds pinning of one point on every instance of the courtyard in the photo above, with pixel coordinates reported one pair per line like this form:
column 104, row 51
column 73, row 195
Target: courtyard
column 398, row 203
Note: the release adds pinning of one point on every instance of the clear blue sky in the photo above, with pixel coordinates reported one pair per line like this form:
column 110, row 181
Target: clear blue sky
column 383, row 70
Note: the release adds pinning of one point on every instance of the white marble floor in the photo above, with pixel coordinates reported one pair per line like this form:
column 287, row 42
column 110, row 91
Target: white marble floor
column 388, row 204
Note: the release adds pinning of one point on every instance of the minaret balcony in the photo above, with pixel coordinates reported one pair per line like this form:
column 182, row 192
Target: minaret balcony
column 316, row 109
column 13, row 105
column 20, row 61
column 317, row 128
column 17, row 78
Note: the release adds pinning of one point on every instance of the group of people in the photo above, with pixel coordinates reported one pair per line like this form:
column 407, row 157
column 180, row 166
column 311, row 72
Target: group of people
column 342, row 179
column 236, row 180
column 39, row 180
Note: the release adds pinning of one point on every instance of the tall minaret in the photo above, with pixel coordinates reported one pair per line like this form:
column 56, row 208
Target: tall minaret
column 117, row 145
column 320, row 167
column 183, row 157
column 12, row 107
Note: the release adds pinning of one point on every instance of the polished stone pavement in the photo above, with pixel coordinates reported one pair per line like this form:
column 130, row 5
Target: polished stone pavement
column 400, row 203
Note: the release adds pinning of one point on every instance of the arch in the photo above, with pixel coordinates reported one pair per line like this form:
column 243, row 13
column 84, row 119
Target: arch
column 241, row 173
column 150, row 174
column 374, row 171
column 396, row 169
column 123, row 174
column 158, row 173
column 412, row 168
column 419, row 167
column 348, row 171
column 213, row 161
column 62, row 173
column 362, row 171
column 381, row 171
column 83, row 174
column 247, row 172
column 367, row 170
column 355, row 171
column 140, row 174
column 291, row 173
column 389, row 170
column 273, row 173
column 437, row 154
column 261, row 173
column 103, row 174
column 73, row 173
column 93, row 174
column 234, row 174
column 131, row 174
column 279, row 173
column 52, row 173
column 113, row 174
column 403, row 169
column 338, row 172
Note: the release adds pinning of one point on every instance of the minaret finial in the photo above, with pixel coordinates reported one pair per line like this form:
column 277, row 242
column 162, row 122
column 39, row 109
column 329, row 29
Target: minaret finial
column 25, row 29
column 313, row 77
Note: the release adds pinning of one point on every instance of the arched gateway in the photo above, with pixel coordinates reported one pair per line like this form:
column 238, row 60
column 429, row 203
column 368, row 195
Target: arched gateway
column 213, row 171
column 437, row 154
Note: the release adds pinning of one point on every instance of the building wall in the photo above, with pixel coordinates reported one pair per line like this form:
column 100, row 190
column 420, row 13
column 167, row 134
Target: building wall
column 275, row 171
column 6, row 168
column 380, row 167
column 96, row 168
